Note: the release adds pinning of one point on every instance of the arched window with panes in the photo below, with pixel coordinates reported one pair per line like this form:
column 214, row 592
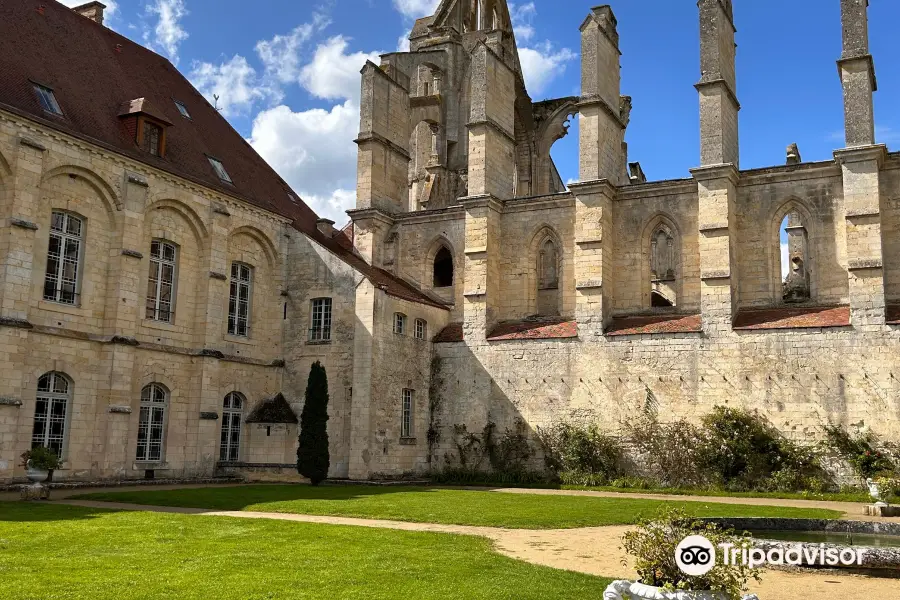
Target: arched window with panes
column 51, row 412
column 64, row 256
column 232, row 419
column 152, row 423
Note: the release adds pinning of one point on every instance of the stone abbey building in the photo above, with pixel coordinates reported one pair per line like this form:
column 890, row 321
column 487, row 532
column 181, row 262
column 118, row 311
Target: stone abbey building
column 163, row 292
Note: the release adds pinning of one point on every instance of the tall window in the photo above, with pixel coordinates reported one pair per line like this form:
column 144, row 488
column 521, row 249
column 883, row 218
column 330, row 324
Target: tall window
column 239, row 300
column 152, row 423
column 229, row 450
column 400, row 323
column 50, row 412
column 152, row 138
column 421, row 329
column 161, row 287
column 795, row 263
column 406, row 421
column 63, row 258
column 320, row 328
column 443, row 268
column 548, row 266
column 663, row 266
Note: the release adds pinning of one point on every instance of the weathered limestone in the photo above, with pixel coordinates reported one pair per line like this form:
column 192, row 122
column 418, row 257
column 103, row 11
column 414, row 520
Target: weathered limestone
column 857, row 70
column 719, row 105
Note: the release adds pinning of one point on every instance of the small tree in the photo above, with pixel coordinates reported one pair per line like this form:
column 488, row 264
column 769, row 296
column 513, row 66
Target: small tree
column 312, row 451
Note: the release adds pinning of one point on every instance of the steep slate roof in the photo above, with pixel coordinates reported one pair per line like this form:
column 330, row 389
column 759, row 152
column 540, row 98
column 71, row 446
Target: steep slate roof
column 96, row 73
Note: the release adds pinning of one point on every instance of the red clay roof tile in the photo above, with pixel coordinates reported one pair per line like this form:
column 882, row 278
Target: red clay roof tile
column 535, row 328
column 654, row 324
column 792, row 318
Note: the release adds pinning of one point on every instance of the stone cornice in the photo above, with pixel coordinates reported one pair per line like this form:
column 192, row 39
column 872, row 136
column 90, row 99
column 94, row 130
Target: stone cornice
column 375, row 214
column 23, row 224
column 489, row 122
column 876, row 152
column 373, row 68
column 719, row 83
column 595, row 100
column 870, row 63
column 448, row 213
column 372, row 137
column 714, row 172
column 652, row 189
column 597, row 186
column 561, row 200
column 482, row 201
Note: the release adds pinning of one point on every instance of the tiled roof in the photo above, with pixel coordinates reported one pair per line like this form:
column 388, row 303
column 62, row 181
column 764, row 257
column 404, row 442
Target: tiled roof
column 451, row 333
column 535, row 328
column 96, row 73
column 792, row 318
column 892, row 315
column 654, row 324
column 273, row 410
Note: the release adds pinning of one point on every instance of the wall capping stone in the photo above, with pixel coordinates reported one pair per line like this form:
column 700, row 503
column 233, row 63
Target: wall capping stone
column 209, row 416
column 12, row 322
column 10, row 401
column 17, row 222
column 124, row 340
column 864, row 263
column 211, row 353
column 721, row 274
column 119, row 409
column 220, row 209
column 132, row 253
column 217, row 275
column 30, row 143
column 137, row 180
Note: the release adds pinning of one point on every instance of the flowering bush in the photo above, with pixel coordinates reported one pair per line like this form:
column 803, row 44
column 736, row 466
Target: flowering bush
column 860, row 451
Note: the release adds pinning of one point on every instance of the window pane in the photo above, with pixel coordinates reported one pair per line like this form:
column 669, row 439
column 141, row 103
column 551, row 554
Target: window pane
column 56, row 221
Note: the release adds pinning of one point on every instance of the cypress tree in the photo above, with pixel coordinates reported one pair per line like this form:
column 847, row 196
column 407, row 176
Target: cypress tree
column 312, row 451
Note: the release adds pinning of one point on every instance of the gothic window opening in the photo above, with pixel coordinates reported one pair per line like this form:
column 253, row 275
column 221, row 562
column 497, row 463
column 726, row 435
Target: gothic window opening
column 443, row 269
column 663, row 268
column 51, row 412
column 795, row 263
column 152, row 423
column 232, row 416
column 547, row 268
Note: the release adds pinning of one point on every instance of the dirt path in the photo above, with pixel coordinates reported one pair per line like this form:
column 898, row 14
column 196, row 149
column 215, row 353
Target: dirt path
column 592, row 550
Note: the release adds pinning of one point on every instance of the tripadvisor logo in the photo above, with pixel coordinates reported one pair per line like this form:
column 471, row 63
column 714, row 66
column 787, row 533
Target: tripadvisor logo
column 696, row 555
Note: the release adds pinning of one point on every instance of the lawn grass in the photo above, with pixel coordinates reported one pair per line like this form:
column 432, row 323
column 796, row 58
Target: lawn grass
column 58, row 552
column 712, row 493
column 446, row 506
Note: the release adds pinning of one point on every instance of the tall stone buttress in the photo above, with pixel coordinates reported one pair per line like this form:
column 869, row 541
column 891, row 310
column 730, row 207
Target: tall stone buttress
column 860, row 163
column 718, row 175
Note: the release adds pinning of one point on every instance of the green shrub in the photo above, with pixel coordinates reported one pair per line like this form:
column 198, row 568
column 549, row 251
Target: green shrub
column 506, row 457
column 670, row 450
column 581, row 455
column 41, row 459
column 860, row 451
column 742, row 451
column 312, row 450
column 653, row 545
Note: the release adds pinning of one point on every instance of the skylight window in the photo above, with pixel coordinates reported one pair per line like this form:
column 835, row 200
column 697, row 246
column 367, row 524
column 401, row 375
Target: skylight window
column 182, row 109
column 219, row 168
column 47, row 99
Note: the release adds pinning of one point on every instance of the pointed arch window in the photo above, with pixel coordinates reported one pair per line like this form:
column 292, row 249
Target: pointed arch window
column 232, row 419
column 663, row 267
column 548, row 266
column 443, row 268
column 795, row 261
column 51, row 412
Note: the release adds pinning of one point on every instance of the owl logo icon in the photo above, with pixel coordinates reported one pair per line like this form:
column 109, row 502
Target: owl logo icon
column 695, row 555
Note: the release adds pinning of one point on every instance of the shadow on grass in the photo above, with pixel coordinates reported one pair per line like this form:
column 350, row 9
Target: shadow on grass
column 24, row 512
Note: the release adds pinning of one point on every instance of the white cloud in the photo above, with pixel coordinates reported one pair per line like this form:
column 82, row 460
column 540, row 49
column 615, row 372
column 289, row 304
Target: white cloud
column 236, row 84
column 314, row 152
column 168, row 31
column 281, row 54
column 414, row 9
column 522, row 16
column 403, row 42
column 542, row 64
column 886, row 135
column 333, row 74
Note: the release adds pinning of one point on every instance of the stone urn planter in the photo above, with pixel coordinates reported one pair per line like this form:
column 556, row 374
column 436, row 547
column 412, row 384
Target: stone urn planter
column 36, row 475
column 626, row 590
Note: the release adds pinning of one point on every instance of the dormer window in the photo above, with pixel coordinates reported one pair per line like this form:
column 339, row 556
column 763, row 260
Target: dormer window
column 146, row 125
column 47, row 99
column 182, row 109
column 219, row 168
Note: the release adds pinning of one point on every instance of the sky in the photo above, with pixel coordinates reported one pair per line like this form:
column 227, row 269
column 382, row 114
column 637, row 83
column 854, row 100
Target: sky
column 286, row 73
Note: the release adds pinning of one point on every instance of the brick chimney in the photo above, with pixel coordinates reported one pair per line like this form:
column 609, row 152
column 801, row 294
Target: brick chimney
column 91, row 10
column 326, row 227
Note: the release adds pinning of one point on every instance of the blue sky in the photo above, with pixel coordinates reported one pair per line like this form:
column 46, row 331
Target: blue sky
column 287, row 75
